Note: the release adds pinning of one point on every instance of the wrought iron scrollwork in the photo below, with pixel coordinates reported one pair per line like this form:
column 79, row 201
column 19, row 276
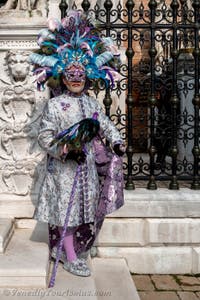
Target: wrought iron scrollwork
column 159, row 101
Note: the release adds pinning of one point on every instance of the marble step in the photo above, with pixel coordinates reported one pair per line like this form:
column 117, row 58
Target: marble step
column 25, row 271
column 25, row 263
column 160, row 203
column 110, row 279
column 156, row 260
column 70, row 286
column 6, row 231
column 112, row 275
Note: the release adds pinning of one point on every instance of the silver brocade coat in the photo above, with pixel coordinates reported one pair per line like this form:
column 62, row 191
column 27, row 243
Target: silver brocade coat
column 60, row 113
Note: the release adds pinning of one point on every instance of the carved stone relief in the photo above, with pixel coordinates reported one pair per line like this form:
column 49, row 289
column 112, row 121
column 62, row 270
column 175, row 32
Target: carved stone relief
column 18, row 66
column 23, row 10
column 18, row 177
column 21, row 4
column 21, row 107
column 6, row 44
column 19, row 102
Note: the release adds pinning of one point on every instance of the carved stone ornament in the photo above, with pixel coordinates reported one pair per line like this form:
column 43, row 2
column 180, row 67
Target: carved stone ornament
column 6, row 44
column 17, row 65
column 27, row 11
column 18, row 177
column 23, row 5
column 19, row 142
column 20, row 111
column 18, row 103
column 20, row 4
column 18, row 96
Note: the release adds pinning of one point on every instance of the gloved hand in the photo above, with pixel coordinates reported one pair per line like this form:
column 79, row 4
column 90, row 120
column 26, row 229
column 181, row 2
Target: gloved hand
column 78, row 155
column 119, row 149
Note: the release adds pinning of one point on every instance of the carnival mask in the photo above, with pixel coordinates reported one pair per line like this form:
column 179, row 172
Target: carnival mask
column 75, row 73
column 74, row 78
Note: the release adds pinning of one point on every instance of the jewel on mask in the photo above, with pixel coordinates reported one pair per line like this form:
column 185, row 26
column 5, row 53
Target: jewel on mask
column 75, row 72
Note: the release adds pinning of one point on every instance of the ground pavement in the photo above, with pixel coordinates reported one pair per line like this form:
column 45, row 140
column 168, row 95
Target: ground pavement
column 167, row 287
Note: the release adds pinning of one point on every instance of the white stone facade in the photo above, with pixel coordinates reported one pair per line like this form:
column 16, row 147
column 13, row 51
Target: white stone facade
column 21, row 160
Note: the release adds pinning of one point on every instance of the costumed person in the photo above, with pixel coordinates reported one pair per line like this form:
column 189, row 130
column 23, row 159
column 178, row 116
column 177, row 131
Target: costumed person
column 83, row 180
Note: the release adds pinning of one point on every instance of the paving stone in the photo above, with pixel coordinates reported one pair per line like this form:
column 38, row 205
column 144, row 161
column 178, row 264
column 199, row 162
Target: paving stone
column 192, row 288
column 188, row 280
column 187, row 296
column 198, row 294
column 143, row 282
column 158, row 296
column 165, row 282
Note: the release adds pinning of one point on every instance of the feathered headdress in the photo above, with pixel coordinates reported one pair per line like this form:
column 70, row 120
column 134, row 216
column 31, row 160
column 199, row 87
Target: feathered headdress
column 74, row 40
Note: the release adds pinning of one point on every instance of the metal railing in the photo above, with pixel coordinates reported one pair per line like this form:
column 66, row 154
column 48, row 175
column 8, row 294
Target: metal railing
column 160, row 122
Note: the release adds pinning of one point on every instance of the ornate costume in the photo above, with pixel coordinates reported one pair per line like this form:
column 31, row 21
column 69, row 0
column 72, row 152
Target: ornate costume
column 76, row 195
column 55, row 190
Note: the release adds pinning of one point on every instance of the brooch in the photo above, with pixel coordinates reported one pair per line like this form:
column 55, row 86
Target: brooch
column 65, row 105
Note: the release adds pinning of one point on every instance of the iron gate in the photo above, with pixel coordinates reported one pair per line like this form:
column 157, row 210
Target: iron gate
column 160, row 87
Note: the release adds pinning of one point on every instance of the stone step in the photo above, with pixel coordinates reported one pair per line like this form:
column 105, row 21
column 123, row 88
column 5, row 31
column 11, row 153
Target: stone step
column 70, row 286
column 25, row 271
column 160, row 203
column 110, row 279
column 112, row 276
column 104, row 283
column 25, row 262
column 156, row 260
column 6, row 232
column 126, row 232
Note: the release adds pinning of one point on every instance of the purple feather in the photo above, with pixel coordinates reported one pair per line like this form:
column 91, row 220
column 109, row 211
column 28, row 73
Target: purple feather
column 111, row 77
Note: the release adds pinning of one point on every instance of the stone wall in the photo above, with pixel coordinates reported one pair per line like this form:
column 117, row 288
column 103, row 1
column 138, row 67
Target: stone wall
column 21, row 160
